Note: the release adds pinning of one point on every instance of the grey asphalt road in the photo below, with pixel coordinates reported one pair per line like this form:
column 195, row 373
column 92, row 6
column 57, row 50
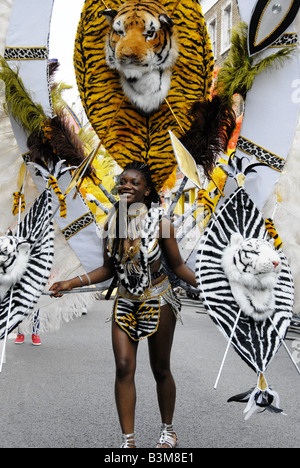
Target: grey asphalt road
column 60, row 394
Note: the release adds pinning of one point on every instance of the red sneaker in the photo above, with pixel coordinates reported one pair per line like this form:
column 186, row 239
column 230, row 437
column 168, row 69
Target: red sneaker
column 20, row 339
column 36, row 341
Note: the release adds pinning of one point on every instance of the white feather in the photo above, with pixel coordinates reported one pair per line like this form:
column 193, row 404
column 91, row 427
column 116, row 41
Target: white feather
column 285, row 204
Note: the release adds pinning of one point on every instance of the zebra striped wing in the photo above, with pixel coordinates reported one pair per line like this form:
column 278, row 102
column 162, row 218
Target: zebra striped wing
column 37, row 228
column 256, row 342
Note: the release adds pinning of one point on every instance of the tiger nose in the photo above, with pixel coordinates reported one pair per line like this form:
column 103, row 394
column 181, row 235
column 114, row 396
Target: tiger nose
column 275, row 264
column 128, row 52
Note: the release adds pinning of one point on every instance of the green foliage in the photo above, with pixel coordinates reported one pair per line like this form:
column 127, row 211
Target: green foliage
column 239, row 70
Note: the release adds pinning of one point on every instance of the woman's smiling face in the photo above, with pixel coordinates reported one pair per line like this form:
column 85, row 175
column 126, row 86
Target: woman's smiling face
column 133, row 187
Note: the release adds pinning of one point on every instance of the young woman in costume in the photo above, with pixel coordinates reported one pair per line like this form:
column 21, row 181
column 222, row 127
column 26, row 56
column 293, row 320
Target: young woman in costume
column 138, row 235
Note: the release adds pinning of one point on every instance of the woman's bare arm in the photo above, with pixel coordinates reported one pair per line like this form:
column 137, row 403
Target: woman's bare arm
column 172, row 254
column 99, row 275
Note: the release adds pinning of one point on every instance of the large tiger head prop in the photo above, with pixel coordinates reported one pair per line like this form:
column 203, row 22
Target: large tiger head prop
column 252, row 267
column 142, row 47
column 14, row 256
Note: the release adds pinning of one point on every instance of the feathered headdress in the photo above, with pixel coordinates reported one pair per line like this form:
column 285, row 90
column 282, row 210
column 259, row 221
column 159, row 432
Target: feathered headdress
column 239, row 70
column 18, row 102
column 213, row 122
column 49, row 139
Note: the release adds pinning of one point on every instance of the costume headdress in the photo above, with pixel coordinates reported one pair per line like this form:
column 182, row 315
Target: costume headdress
column 128, row 133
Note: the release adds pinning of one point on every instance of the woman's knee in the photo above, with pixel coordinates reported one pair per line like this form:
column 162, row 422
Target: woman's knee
column 125, row 369
column 161, row 371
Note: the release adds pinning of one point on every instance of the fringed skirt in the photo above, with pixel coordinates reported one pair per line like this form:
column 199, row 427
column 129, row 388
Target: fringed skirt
column 139, row 316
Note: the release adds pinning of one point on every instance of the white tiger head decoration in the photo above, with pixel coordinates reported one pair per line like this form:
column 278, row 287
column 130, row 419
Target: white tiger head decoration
column 252, row 267
column 14, row 255
column 142, row 47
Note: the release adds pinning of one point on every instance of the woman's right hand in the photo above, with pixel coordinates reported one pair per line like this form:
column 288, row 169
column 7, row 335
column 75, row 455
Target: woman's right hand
column 60, row 286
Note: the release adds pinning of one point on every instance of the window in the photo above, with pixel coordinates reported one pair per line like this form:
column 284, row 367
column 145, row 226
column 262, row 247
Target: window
column 212, row 31
column 226, row 26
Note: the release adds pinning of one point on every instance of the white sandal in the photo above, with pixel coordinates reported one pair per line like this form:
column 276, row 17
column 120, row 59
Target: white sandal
column 167, row 437
column 128, row 441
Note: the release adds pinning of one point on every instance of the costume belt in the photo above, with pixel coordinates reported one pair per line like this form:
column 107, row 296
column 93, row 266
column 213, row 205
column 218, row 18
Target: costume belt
column 149, row 293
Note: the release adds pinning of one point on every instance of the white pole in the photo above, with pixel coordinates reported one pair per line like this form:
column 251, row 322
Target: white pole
column 6, row 331
column 227, row 348
column 285, row 346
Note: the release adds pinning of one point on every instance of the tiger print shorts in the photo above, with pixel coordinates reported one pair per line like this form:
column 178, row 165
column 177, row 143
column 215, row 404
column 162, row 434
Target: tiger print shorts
column 139, row 316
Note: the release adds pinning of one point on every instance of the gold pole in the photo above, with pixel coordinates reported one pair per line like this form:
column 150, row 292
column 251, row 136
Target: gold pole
column 176, row 5
column 173, row 113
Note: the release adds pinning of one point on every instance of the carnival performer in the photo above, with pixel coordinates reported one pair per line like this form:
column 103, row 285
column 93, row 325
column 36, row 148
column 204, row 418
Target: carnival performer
column 138, row 236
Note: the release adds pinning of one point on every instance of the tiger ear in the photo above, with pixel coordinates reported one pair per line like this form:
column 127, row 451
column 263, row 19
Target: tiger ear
column 109, row 14
column 24, row 247
column 272, row 242
column 236, row 239
column 166, row 20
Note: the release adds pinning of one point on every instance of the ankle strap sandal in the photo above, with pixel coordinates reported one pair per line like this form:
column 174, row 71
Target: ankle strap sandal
column 128, row 441
column 168, row 438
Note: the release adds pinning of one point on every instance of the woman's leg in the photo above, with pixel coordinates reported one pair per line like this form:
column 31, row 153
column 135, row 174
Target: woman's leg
column 125, row 393
column 160, row 345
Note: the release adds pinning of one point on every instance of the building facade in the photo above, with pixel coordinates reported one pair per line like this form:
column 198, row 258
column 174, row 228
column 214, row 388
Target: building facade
column 221, row 17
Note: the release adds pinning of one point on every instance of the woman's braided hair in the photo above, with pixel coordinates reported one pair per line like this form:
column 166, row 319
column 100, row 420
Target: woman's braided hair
column 152, row 198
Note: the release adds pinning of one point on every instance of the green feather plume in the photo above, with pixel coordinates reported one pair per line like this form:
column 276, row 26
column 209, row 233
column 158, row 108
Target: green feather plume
column 239, row 70
column 18, row 103
column 57, row 90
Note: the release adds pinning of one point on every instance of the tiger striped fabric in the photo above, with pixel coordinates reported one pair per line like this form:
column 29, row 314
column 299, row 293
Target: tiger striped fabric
column 37, row 229
column 256, row 342
column 17, row 196
column 52, row 182
column 126, row 133
column 270, row 227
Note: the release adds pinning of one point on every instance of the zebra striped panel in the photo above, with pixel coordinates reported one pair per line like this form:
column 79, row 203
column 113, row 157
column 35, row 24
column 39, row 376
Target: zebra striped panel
column 37, row 228
column 256, row 342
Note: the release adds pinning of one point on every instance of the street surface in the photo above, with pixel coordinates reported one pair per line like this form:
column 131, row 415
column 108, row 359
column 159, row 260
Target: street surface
column 61, row 394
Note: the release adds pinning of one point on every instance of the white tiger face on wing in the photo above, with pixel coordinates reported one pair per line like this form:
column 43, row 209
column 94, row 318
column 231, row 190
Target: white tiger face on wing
column 252, row 261
column 252, row 267
column 14, row 255
column 142, row 46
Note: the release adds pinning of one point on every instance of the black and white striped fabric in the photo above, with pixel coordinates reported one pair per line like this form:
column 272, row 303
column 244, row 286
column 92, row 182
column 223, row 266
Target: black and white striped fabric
column 138, row 319
column 256, row 342
column 37, row 229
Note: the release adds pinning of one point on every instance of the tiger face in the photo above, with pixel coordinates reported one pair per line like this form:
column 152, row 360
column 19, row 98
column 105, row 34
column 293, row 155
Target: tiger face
column 14, row 255
column 252, row 267
column 142, row 47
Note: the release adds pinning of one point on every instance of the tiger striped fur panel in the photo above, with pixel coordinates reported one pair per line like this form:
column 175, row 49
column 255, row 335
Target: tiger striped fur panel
column 128, row 134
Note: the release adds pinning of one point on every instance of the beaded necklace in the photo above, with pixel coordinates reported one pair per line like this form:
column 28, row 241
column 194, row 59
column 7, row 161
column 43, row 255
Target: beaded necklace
column 140, row 280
